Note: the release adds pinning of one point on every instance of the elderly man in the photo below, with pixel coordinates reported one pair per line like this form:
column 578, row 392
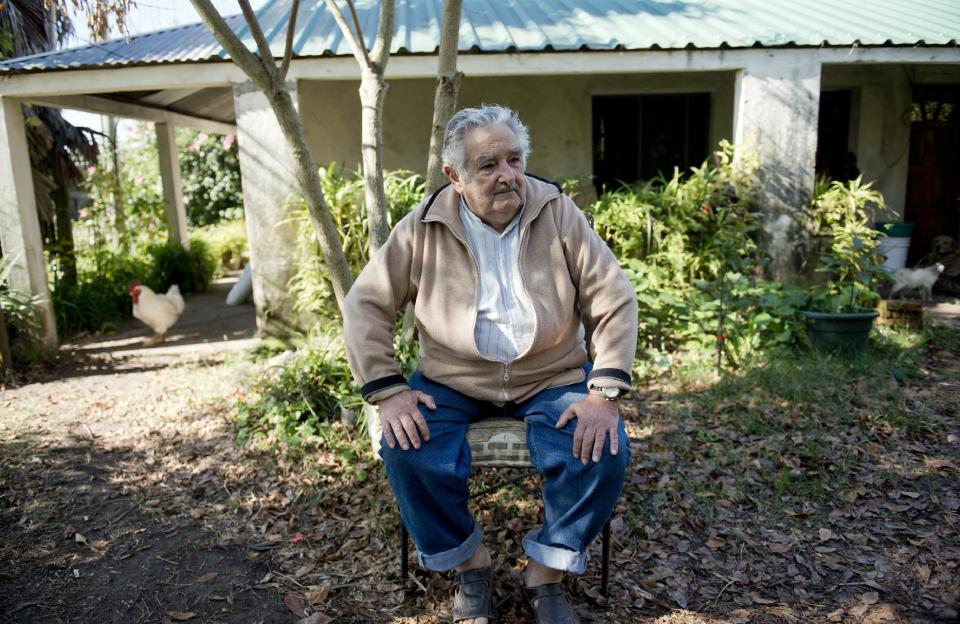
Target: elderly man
column 504, row 273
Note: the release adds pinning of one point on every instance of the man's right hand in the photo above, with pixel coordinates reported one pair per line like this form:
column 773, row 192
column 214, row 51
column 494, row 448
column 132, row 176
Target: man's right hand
column 401, row 420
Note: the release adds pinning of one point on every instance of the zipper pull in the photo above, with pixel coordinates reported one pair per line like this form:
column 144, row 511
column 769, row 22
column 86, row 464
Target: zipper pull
column 506, row 374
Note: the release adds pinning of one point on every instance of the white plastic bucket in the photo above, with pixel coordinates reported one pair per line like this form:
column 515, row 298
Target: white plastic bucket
column 894, row 249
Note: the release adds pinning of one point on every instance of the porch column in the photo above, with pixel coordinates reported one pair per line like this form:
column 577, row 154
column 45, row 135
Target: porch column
column 19, row 225
column 776, row 110
column 269, row 187
column 174, row 209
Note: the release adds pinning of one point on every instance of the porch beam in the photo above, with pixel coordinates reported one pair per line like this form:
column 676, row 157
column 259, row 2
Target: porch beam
column 116, row 108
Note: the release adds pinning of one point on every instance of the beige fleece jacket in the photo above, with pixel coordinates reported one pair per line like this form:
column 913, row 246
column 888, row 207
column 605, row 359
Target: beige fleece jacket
column 569, row 273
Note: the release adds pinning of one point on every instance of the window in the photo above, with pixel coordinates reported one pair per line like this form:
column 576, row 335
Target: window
column 637, row 137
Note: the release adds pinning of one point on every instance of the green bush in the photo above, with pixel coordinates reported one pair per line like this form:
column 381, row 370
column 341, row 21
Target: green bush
column 99, row 299
column 210, row 170
column 227, row 242
column 301, row 396
column 313, row 294
column 190, row 268
column 688, row 245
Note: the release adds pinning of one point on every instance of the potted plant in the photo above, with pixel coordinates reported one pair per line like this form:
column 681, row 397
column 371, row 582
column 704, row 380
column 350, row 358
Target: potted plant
column 842, row 312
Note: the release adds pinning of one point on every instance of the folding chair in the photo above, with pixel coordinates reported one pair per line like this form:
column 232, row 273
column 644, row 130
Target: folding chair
column 494, row 443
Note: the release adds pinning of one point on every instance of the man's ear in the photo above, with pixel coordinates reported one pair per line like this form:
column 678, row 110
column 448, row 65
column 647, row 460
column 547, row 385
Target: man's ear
column 454, row 176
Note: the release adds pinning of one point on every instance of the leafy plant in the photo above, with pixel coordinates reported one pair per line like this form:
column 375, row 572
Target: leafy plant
column 210, row 170
column 19, row 310
column 343, row 191
column 841, row 212
column 297, row 399
column 191, row 268
column 227, row 242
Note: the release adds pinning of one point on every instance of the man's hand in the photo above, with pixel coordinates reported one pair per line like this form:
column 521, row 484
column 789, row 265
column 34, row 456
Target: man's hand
column 401, row 420
column 596, row 419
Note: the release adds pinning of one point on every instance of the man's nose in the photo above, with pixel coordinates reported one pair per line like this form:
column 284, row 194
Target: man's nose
column 505, row 172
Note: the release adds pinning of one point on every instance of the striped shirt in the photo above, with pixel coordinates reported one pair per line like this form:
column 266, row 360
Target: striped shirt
column 505, row 317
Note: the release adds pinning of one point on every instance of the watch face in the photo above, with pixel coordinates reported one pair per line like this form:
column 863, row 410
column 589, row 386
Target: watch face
column 611, row 393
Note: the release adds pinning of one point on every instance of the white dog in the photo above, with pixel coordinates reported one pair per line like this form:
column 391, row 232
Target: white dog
column 923, row 279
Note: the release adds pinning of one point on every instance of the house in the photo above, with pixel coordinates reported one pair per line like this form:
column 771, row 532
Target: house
column 615, row 89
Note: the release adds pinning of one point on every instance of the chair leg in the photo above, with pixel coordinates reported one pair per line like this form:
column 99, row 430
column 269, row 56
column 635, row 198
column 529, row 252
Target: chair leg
column 404, row 552
column 605, row 560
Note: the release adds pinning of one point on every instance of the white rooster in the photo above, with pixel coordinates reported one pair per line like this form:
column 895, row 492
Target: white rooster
column 160, row 312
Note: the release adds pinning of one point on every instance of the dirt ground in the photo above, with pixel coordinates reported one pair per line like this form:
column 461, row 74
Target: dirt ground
column 125, row 498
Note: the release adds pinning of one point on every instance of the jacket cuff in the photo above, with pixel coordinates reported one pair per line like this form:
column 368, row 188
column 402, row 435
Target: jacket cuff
column 609, row 378
column 384, row 387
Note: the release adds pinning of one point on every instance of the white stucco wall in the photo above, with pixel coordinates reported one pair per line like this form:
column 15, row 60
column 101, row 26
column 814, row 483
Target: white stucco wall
column 556, row 108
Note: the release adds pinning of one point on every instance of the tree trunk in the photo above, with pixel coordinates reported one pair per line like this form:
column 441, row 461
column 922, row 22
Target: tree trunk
column 309, row 179
column 119, row 214
column 447, row 93
column 373, row 91
column 6, row 357
column 64, row 221
column 265, row 74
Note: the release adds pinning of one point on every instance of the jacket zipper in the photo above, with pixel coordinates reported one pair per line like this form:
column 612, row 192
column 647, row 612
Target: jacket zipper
column 476, row 311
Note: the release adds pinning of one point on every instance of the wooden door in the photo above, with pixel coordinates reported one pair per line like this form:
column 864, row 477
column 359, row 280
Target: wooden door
column 933, row 181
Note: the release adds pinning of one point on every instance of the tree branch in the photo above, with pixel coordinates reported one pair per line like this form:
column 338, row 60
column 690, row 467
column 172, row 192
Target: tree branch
column 356, row 24
column 288, row 48
column 244, row 58
column 359, row 48
column 251, row 18
column 381, row 47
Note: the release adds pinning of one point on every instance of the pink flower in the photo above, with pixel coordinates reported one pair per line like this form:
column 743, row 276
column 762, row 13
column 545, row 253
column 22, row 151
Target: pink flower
column 202, row 137
column 228, row 140
column 297, row 537
column 92, row 169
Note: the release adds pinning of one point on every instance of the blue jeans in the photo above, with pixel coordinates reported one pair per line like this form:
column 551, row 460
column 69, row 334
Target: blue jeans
column 430, row 484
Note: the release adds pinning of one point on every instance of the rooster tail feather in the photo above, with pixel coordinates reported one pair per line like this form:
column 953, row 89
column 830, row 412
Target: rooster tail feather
column 173, row 294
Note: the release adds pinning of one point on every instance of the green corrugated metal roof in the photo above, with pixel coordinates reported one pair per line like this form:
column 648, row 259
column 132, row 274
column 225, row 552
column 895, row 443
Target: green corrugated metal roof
column 554, row 25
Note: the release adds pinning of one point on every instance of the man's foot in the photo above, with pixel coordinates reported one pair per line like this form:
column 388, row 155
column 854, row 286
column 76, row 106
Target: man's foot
column 543, row 588
column 474, row 589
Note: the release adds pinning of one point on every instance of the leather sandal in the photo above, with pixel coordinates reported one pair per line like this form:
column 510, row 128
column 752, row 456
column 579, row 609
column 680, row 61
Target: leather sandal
column 550, row 605
column 473, row 597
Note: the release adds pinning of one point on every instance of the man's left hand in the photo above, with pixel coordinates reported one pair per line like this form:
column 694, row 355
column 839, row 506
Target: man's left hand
column 596, row 419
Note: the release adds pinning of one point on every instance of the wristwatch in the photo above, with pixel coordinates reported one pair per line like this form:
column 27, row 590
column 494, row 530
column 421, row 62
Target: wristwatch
column 610, row 394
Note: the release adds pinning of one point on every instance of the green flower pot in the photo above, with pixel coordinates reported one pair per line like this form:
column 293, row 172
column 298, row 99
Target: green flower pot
column 843, row 333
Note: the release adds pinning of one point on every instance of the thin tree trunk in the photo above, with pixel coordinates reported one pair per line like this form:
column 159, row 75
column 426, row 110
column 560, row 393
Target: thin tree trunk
column 119, row 214
column 6, row 356
column 264, row 73
column 373, row 91
column 447, row 93
column 64, row 222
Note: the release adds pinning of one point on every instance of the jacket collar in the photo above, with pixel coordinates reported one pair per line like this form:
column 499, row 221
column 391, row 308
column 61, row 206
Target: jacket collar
column 444, row 205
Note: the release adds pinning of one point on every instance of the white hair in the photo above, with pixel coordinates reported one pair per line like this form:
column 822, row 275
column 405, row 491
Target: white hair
column 465, row 120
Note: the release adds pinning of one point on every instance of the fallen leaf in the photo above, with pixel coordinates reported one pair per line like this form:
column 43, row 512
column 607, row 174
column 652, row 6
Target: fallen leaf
column 779, row 547
column 316, row 618
column 209, row 576
column 870, row 598
column 716, row 542
column 680, row 598
column 181, row 616
column 296, row 604
column 80, row 538
column 826, row 534
column 316, row 596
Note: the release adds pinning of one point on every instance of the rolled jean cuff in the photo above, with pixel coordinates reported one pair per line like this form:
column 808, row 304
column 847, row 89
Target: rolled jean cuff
column 449, row 559
column 553, row 556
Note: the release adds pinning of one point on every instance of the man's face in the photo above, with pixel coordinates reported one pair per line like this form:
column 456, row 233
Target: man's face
column 495, row 188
